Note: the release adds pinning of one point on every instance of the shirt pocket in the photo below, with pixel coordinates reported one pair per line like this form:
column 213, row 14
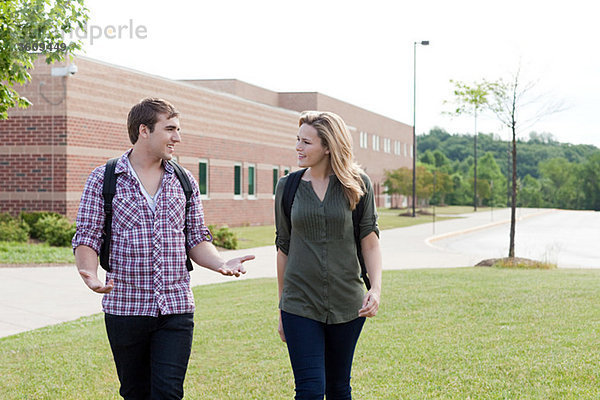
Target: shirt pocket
column 176, row 211
column 126, row 213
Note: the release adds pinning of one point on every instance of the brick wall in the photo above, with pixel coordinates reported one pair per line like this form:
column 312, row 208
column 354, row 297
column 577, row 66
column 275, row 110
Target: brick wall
column 78, row 122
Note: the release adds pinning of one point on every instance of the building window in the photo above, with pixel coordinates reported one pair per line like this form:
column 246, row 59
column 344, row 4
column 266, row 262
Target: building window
column 364, row 140
column 203, row 178
column 387, row 145
column 405, row 151
column 251, row 181
column 375, row 142
column 237, row 180
column 286, row 171
column 275, row 178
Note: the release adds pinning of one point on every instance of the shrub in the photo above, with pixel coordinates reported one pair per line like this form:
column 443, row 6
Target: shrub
column 14, row 231
column 56, row 230
column 31, row 218
column 6, row 217
column 223, row 237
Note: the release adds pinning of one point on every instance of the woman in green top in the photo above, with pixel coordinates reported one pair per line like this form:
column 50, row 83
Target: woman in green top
column 321, row 296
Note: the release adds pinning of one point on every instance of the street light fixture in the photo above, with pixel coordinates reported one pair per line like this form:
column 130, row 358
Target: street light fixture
column 414, row 177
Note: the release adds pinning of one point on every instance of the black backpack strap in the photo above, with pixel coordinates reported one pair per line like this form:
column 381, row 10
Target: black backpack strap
column 187, row 189
column 357, row 215
column 289, row 192
column 109, row 189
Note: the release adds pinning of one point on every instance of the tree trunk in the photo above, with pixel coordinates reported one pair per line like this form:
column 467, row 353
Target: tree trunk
column 475, row 164
column 508, row 173
column 513, row 202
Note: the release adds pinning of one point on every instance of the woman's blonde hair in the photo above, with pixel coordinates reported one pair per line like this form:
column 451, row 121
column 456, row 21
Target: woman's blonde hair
column 335, row 136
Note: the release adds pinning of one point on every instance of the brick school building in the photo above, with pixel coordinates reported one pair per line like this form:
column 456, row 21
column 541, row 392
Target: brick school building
column 237, row 138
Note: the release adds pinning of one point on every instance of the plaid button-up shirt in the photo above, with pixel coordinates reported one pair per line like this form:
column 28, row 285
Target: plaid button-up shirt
column 148, row 250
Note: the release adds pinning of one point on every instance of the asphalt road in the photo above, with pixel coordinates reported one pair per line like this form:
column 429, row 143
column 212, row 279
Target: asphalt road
column 571, row 239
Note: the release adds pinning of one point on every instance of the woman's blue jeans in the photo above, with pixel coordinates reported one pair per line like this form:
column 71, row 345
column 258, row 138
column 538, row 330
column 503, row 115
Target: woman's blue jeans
column 321, row 356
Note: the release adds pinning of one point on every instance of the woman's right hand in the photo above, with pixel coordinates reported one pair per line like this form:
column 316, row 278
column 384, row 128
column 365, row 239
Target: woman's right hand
column 280, row 329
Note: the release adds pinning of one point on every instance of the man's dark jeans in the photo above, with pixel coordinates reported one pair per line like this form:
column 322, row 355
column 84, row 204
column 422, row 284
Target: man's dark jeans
column 321, row 356
column 151, row 354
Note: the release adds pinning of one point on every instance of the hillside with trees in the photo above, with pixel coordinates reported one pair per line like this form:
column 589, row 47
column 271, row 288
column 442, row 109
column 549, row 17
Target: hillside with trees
column 549, row 173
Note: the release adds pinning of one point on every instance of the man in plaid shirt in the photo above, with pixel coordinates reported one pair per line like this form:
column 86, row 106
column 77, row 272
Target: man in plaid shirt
column 148, row 302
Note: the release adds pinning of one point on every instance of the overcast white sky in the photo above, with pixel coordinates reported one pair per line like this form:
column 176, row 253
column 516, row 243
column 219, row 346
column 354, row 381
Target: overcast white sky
column 361, row 52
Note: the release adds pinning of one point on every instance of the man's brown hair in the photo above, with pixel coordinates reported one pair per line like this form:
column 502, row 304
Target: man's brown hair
column 146, row 112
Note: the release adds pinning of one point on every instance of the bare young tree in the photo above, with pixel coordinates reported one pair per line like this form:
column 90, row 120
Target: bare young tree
column 510, row 102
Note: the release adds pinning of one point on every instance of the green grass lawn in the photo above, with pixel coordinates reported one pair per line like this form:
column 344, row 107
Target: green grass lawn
column 34, row 253
column 471, row 333
column 391, row 218
column 451, row 210
column 255, row 236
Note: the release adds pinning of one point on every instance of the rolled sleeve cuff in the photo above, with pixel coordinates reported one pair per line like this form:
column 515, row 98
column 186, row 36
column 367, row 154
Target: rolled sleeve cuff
column 283, row 245
column 81, row 239
column 199, row 235
column 365, row 230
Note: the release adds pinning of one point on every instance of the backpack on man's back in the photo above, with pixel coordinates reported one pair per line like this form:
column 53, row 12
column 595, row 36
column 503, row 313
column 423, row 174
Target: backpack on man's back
column 108, row 192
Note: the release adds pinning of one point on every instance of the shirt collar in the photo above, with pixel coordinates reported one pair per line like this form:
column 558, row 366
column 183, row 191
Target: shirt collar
column 123, row 167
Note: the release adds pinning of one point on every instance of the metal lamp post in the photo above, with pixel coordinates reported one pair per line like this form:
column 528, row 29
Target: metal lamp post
column 414, row 177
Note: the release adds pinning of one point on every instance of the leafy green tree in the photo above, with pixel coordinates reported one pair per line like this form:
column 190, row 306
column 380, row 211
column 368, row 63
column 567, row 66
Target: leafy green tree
column 530, row 194
column 560, row 183
column 30, row 28
column 427, row 158
column 440, row 168
column 436, row 159
column 443, row 186
column 424, row 183
column 469, row 99
column 491, row 180
column 398, row 181
column 441, row 161
column 465, row 166
column 460, row 190
column 590, row 178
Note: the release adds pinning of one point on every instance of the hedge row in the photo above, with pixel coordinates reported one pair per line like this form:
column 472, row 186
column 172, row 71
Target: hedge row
column 57, row 230
column 50, row 227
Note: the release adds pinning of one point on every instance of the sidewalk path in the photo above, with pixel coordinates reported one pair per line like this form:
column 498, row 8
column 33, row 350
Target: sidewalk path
column 567, row 238
column 31, row 298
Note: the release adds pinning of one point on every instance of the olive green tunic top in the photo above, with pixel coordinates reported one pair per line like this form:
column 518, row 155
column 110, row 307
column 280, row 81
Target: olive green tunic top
column 322, row 274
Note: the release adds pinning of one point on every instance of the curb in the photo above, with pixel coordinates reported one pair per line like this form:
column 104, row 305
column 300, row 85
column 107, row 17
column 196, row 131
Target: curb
column 429, row 241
